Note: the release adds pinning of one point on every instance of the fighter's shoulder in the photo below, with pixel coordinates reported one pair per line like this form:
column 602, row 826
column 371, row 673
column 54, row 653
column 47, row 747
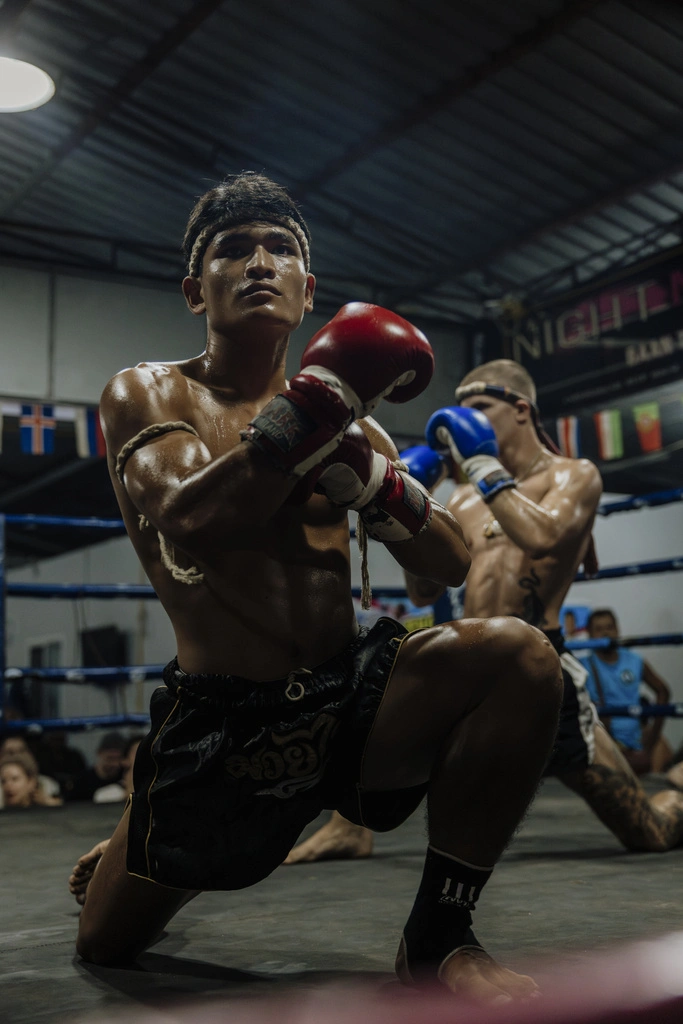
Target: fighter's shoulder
column 580, row 469
column 140, row 395
column 580, row 474
column 144, row 383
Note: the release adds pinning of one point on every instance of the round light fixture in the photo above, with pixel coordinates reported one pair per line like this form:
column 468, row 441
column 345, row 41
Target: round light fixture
column 23, row 86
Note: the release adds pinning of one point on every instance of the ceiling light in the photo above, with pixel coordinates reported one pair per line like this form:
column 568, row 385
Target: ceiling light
column 23, row 86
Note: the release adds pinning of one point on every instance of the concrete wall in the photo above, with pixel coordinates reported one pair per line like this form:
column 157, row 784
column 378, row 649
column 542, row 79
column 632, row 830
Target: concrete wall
column 62, row 337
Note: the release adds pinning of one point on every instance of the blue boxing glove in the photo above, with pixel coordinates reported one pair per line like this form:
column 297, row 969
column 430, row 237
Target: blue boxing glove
column 424, row 464
column 469, row 438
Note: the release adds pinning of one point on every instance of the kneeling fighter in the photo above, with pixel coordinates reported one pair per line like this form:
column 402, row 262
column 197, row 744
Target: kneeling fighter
column 234, row 485
column 527, row 516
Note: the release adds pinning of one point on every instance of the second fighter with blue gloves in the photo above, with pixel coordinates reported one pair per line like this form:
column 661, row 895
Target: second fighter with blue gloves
column 468, row 437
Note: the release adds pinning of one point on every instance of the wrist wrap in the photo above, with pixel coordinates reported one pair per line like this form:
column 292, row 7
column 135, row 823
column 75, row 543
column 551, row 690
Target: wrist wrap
column 488, row 475
column 300, row 426
column 400, row 510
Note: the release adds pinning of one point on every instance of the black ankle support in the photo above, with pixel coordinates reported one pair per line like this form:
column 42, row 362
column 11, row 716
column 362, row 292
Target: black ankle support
column 441, row 916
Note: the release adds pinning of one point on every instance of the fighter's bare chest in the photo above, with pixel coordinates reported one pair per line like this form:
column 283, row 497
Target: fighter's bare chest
column 219, row 424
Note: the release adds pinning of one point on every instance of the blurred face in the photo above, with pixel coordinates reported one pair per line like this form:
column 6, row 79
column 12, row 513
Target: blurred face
column 12, row 746
column 501, row 415
column 603, row 626
column 108, row 764
column 17, row 788
column 252, row 273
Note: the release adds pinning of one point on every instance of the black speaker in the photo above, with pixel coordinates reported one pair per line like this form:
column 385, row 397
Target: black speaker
column 104, row 647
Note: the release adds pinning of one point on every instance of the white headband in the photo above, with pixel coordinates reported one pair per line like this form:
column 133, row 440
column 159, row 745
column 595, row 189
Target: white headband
column 204, row 238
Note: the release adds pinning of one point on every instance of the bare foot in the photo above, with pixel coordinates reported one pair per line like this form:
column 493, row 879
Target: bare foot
column 339, row 839
column 84, row 870
column 473, row 974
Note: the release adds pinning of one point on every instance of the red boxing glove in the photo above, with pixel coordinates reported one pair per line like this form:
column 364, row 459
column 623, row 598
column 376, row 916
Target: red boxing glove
column 367, row 353
column 392, row 505
column 362, row 355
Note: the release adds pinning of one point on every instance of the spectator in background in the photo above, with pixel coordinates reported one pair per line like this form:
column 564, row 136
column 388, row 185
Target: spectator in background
column 120, row 790
column 106, row 769
column 20, row 784
column 615, row 675
column 16, row 746
column 57, row 759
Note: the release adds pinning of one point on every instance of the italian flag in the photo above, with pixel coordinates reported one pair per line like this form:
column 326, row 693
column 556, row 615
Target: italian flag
column 610, row 438
column 568, row 436
column 649, row 426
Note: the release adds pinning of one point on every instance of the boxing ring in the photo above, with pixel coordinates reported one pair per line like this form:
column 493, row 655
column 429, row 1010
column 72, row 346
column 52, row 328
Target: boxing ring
column 140, row 673
column 233, row 956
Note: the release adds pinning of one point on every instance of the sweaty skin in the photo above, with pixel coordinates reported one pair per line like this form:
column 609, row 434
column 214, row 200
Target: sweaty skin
column 276, row 596
column 551, row 514
column 524, row 566
column 273, row 571
column 507, row 579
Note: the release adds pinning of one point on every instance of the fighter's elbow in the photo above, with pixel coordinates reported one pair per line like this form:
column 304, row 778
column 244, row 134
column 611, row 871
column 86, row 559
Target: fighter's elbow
column 454, row 573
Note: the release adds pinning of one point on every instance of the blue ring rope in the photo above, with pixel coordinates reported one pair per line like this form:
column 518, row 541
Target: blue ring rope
column 39, row 725
column 641, row 710
column 93, row 523
column 119, row 674
column 146, row 592
column 655, row 640
column 142, row 590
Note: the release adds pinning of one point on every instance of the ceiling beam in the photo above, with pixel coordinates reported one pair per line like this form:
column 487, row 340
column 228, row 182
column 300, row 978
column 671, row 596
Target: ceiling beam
column 449, row 91
column 449, row 270
column 115, row 96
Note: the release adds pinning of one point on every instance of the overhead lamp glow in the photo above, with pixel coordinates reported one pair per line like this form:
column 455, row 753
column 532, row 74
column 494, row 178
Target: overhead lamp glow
column 23, row 86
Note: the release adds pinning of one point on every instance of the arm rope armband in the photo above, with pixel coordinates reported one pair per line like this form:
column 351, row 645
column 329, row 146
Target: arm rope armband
column 148, row 434
column 191, row 575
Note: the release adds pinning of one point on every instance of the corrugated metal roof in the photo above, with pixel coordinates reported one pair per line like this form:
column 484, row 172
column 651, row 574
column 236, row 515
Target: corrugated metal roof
column 443, row 151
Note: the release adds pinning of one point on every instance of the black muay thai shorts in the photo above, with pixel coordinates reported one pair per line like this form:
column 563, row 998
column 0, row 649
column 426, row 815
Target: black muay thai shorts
column 232, row 770
column 574, row 747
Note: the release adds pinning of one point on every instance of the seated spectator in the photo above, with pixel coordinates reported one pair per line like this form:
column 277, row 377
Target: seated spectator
column 121, row 790
column 57, row 759
column 615, row 675
column 106, row 769
column 19, row 783
column 13, row 746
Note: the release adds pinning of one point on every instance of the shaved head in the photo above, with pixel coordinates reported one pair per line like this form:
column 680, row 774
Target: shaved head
column 505, row 372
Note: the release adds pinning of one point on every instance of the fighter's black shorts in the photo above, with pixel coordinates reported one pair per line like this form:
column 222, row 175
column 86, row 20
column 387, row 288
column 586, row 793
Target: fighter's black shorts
column 574, row 746
column 233, row 770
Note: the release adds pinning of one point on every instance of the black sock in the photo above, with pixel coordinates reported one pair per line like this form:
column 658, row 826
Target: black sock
column 442, row 913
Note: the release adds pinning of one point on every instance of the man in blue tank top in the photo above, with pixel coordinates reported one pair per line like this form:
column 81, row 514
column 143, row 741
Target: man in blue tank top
column 615, row 675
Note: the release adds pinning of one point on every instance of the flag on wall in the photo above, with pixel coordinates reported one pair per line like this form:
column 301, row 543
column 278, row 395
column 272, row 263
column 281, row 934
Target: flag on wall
column 37, row 429
column 610, row 436
column 568, row 436
column 649, row 426
column 89, row 438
